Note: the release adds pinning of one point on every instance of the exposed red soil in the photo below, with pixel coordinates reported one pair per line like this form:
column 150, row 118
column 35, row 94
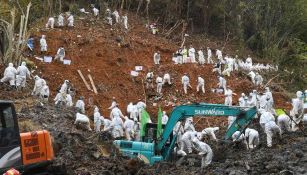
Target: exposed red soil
column 97, row 52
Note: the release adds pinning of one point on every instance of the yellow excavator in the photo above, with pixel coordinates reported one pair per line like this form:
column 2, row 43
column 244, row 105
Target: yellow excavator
column 21, row 151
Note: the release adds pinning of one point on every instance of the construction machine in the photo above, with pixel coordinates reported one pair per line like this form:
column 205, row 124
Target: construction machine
column 22, row 151
column 152, row 150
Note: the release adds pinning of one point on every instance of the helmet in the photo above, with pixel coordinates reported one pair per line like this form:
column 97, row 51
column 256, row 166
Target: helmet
column 23, row 63
column 11, row 65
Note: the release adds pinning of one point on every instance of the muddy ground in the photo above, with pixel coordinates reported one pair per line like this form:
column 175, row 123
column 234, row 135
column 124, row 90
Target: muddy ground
column 82, row 152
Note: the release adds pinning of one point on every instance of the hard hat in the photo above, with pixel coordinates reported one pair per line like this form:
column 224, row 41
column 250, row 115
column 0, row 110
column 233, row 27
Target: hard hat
column 243, row 94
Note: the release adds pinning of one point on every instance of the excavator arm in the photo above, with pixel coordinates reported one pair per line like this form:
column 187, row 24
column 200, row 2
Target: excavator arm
column 151, row 150
column 244, row 117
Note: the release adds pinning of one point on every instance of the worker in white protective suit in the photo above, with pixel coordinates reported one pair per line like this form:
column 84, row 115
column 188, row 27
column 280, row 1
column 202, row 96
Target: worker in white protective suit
column 201, row 57
column 95, row 11
column 222, row 83
column 228, row 96
column 284, row 122
column 229, row 66
column 22, row 74
column 98, row 119
column 265, row 118
column 157, row 58
column 118, row 126
column 178, row 130
column 219, row 54
column 238, row 137
column 179, row 56
column 252, row 138
column 107, row 125
column 252, row 75
column 140, row 106
column 45, row 93
column 249, row 62
column 271, row 129
column 263, row 101
column 159, row 82
column 192, row 54
column 209, row 56
column 80, row 105
column 83, row 119
column 9, row 75
column 166, row 79
column 188, row 125
column 64, row 87
column 60, row 99
column 235, row 62
column 50, row 23
column 185, row 80
column 242, row 100
column 186, row 142
column 125, row 21
column 116, row 16
column 43, row 44
column 204, row 150
column 217, row 68
column 129, row 108
column 297, row 111
column 61, row 20
column 129, row 128
column 68, row 100
column 270, row 100
column 39, row 84
column 254, row 100
column 116, row 112
column 60, row 54
column 267, row 122
column 164, row 118
column 149, row 80
column 200, row 84
column 113, row 103
column 70, row 20
column 134, row 114
column 258, row 79
column 210, row 132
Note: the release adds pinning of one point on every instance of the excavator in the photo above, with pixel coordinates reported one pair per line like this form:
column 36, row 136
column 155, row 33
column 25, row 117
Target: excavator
column 152, row 150
column 22, row 151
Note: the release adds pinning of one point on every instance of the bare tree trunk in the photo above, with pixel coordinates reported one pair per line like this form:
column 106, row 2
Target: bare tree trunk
column 139, row 6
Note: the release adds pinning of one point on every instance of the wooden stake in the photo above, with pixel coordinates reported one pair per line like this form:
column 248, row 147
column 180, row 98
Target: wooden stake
column 84, row 81
column 92, row 82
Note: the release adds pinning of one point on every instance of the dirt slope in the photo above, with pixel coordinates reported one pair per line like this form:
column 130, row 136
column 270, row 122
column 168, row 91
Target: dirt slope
column 96, row 51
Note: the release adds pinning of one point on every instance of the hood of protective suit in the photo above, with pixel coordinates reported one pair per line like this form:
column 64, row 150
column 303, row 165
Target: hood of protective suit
column 36, row 77
column 299, row 94
column 11, row 65
column 23, row 63
column 96, row 109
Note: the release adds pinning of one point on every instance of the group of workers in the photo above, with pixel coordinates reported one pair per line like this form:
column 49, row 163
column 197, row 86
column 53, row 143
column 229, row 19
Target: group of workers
column 187, row 137
column 110, row 17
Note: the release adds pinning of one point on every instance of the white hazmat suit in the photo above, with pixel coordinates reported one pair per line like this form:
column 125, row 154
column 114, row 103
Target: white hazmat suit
column 9, row 75
column 205, row 151
column 22, row 74
column 185, row 80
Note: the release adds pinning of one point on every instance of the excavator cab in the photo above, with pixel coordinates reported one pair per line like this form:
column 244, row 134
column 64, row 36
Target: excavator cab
column 10, row 154
column 22, row 151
